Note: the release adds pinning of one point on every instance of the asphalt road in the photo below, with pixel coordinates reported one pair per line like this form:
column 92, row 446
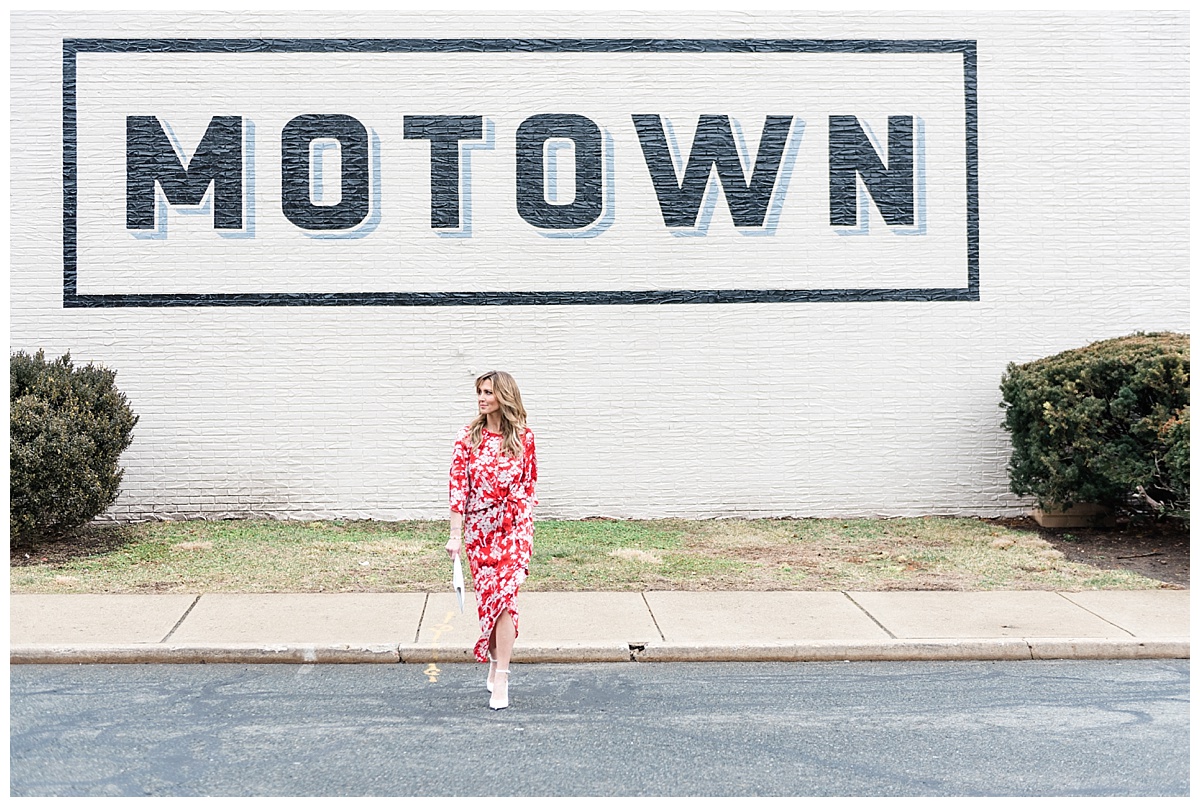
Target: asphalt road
column 885, row 729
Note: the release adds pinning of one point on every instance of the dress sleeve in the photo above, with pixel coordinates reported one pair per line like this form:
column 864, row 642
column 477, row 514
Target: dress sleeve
column 529, row 472
column 459, row 484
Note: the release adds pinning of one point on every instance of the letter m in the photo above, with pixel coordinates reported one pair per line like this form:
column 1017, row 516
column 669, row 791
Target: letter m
column 151, row 159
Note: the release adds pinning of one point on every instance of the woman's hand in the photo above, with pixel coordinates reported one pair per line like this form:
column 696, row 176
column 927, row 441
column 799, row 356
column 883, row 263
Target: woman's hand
column 454, row 545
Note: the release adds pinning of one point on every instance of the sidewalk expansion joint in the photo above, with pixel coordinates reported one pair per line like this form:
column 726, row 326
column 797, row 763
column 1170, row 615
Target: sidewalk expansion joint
column 171, row 632
column 870, row 616
column 653, row 619
column 421, row 619
column 1093, row 613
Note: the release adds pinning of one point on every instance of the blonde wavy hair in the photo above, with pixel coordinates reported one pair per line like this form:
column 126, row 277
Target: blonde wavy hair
column 512, row 413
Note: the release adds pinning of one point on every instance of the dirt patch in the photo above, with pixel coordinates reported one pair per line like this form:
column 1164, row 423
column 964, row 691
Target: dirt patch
column 89, row 541
column 1160, row 550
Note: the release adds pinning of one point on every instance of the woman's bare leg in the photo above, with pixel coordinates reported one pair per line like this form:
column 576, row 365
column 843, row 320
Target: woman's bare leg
column 504, row 636
column 491, row 679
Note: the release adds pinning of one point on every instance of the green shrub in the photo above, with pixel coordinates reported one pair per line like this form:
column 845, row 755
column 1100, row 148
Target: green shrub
column 67, row 428
column 1106, row 424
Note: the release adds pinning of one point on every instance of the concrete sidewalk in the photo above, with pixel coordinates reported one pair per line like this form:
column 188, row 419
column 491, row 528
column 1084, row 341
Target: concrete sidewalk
column 595, row 626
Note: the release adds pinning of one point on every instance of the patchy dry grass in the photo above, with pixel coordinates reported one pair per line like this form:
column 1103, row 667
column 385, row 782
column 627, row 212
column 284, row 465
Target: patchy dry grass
column 595, row 555
column 636, row 554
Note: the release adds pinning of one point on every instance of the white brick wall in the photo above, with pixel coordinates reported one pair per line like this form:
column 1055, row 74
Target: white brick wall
column 804, row 409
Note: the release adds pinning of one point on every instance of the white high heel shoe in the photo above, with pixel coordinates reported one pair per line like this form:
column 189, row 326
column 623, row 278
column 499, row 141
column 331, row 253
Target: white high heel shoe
column 499, row 699
column 491, row 674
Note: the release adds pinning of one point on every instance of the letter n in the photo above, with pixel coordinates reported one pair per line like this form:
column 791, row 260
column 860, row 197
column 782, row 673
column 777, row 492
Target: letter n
column 851, row 155
column 151, row 159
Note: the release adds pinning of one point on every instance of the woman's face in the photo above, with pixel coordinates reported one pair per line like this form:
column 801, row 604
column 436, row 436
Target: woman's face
column 487, row 398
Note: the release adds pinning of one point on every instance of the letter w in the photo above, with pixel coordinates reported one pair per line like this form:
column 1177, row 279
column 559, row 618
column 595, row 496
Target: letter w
column 150, row 158
column 713, row 146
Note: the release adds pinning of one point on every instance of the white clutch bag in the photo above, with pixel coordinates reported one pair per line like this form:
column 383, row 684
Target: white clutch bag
column 458, row 582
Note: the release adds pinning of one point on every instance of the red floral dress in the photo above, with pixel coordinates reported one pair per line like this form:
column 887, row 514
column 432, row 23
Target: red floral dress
column 494, row 493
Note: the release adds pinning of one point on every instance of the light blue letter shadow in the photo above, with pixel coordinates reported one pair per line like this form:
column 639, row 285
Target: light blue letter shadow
column 782, row 180
column 864, row 199
column 550, row 167
column 248, row 196
column 712, row 187
column 464, row 179
column 922, row 224
column 368, row 224
column 609, row 212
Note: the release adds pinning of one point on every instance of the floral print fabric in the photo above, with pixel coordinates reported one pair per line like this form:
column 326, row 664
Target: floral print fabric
column 495, row 494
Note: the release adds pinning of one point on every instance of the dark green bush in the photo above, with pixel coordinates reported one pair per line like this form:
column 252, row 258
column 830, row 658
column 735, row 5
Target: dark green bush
column 1106, row 424
column 67, row 428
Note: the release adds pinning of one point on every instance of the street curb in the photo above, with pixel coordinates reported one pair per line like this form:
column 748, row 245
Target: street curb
column 894, row 650
column 532, row 654
column 1110, row 648
column 926, row 650
column 839, row 650
column 204, row 654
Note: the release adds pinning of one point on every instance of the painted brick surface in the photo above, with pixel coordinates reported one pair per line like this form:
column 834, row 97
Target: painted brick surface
column 804, row 409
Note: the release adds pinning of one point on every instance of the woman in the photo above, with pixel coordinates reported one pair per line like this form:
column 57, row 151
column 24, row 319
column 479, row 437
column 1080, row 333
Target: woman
column 492, row 475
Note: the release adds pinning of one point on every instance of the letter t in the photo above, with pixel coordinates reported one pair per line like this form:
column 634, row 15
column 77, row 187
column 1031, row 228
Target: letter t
column 444, row 133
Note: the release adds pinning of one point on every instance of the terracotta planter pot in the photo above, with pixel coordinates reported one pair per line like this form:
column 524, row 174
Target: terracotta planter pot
column 1078, row 515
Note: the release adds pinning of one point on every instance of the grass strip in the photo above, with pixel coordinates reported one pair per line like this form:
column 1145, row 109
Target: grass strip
column 960, row 554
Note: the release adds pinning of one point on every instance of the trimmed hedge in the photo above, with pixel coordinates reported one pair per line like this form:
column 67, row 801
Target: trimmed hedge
column 1106, row 424
column 67, row 428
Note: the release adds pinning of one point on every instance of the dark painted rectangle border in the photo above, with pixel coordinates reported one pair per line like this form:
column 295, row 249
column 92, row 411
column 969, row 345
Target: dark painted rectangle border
column 71, row 47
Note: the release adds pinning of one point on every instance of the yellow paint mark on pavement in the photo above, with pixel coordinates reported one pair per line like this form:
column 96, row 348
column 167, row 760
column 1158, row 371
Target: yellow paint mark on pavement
column 433, row 671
